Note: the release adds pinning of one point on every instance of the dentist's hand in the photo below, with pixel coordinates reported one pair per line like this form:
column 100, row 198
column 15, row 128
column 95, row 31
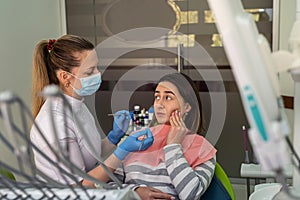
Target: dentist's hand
column 133, row 143
column 120, row 126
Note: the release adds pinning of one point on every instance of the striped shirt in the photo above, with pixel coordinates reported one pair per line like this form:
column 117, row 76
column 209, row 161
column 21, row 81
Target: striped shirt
column 174, row 175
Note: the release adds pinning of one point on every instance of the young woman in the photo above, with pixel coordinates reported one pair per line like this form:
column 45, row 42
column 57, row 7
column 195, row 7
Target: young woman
column 179, row 162
column 71, row 63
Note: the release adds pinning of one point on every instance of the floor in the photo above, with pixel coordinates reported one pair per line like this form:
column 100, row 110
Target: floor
column 240, row 187
column 240, row 191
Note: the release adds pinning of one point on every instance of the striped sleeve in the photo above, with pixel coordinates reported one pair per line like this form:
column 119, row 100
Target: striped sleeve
column 119, row 173
column 189, row 183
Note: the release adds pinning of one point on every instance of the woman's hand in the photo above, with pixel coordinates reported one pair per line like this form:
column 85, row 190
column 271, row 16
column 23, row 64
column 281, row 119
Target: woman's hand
column 178, row 129
column 147, row 193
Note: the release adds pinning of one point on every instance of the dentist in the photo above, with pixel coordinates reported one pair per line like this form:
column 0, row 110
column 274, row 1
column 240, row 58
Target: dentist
column 71, row 63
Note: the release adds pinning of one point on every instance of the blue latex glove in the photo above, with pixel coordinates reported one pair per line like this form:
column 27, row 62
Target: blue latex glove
column 132, row 143
column 120, row 126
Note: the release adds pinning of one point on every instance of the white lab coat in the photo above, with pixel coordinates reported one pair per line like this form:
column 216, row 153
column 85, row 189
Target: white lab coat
column 80, row 151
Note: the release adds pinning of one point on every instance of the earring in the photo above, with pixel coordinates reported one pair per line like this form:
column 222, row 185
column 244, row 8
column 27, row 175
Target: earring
column 67, row 85
column 186, row 113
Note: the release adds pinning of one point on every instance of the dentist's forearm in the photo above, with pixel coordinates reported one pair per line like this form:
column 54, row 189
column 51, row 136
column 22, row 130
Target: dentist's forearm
column 112, row 162
column 107, row 148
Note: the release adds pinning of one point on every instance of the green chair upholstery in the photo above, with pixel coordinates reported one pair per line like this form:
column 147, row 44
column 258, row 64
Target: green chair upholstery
column 220, row 187
column 7, row 174
column 222, row 176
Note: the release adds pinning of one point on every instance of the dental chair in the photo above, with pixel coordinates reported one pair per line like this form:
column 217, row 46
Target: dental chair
column 220, row 187
column 7, row 174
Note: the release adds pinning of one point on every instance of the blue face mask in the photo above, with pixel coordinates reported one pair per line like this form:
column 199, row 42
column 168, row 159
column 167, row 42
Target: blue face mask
column 89, row 85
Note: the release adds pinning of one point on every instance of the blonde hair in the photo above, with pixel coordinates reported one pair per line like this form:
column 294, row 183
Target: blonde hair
column 46, row 62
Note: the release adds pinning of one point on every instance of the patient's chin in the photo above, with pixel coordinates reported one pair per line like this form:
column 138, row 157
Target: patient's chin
column 163, row 121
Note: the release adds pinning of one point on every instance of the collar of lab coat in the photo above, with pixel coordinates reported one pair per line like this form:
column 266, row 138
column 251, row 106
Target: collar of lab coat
column 76, row 104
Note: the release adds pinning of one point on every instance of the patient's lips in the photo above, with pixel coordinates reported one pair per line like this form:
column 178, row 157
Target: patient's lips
column 160, row 114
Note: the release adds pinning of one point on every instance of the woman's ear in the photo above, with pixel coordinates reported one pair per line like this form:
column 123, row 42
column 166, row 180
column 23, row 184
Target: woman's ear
column 63, row 77
column 187, row 107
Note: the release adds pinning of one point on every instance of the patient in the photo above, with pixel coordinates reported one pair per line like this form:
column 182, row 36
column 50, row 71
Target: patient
column 180, row 162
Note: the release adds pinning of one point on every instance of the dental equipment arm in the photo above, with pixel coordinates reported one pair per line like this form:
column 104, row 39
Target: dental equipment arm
column 250, row 58
column 7, row 100
column 253, row 66
column 21, row 151
column 38, row 185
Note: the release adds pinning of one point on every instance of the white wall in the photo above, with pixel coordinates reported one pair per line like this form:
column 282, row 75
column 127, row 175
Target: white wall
column 287, row 18
column 23, row 24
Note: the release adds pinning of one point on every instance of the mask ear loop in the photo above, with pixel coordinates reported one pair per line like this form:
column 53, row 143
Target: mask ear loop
column 72, row 75
column 69, row 84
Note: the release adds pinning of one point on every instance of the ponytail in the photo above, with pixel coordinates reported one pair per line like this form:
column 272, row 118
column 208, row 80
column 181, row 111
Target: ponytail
column 40, row 76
